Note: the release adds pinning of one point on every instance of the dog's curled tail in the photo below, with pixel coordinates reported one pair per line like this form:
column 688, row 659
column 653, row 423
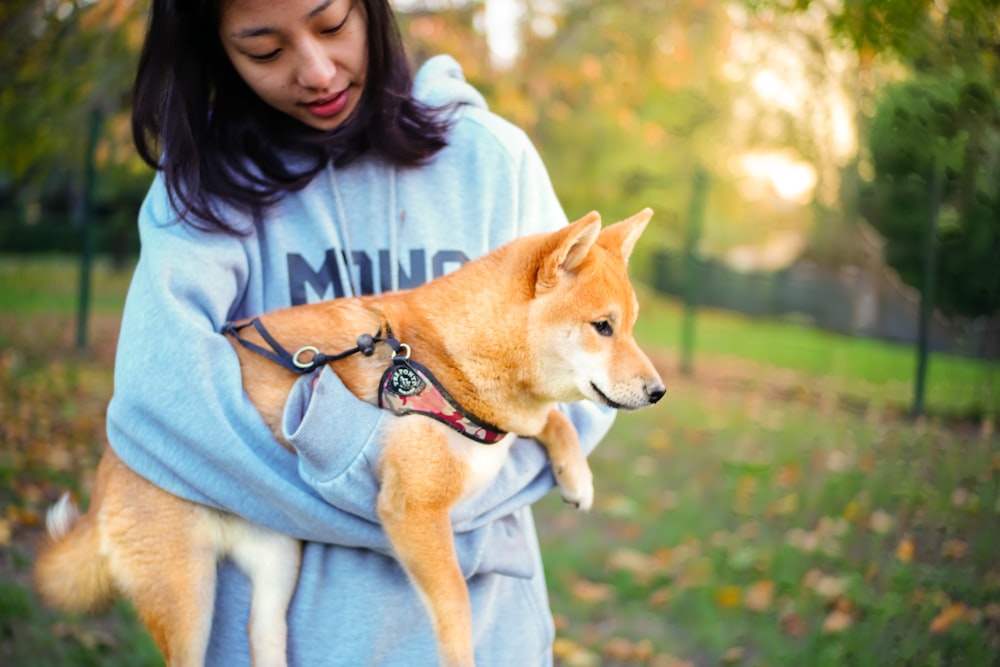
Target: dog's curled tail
column 70, row 572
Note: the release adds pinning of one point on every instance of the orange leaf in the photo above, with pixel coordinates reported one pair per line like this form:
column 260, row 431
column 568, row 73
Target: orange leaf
column 589, row 591
column 905, row 550
column 948, row 617
column 759, row 596
column 837, row 621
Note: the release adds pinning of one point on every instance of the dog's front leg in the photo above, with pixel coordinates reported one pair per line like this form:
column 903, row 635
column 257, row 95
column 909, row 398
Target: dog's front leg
column 569, row 465
column 421, row 481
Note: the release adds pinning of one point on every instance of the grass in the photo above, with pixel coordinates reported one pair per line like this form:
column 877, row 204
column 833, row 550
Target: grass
column 859, row 369
column 774, row 509
column 731, row 528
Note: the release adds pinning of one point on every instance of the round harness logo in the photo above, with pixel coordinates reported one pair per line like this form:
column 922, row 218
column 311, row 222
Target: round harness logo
column 405, row 382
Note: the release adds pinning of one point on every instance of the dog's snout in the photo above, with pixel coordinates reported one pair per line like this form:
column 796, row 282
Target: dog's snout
column 655, row 391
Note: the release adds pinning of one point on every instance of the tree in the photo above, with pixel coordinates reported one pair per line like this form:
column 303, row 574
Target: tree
column 952, row 124
column 58, row 61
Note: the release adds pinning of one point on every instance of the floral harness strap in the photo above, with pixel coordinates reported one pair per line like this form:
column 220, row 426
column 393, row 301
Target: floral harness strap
column 406, row 387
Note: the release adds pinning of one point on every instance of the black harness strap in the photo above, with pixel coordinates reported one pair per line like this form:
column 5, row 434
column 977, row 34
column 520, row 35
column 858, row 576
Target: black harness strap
column 305, row 359
column 402, row 385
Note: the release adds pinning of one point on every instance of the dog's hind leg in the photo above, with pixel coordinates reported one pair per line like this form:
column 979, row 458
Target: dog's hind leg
column 569, row 465
column 171, row 583
column 271, row 562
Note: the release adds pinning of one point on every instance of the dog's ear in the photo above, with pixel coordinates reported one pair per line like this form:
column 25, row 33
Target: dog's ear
column 570, row 246
column 621, row 237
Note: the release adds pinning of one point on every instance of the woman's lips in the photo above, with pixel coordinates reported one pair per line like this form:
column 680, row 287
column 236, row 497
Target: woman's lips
column 328, row 106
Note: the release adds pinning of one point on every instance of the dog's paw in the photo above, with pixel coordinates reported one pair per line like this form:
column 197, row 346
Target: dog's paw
column 576, row 486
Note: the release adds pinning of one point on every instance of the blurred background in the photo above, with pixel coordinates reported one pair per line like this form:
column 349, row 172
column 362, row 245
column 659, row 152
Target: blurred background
column 820, row 286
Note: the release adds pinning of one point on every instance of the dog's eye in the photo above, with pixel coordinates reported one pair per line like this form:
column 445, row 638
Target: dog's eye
column 603, row 327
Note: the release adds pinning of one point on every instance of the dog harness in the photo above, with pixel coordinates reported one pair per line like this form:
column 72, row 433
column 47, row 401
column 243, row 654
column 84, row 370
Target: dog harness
column 406, row 387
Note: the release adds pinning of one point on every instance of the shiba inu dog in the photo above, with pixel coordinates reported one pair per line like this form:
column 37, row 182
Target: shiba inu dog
column 543, row 320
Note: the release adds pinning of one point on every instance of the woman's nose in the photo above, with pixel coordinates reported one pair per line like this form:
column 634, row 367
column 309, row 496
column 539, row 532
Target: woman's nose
column 315, row 69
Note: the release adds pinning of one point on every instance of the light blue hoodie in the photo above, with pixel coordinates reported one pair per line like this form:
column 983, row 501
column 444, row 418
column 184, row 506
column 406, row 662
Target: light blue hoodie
column 180, row 417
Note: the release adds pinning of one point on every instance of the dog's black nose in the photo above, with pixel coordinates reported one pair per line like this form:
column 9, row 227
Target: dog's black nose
column 655, row 392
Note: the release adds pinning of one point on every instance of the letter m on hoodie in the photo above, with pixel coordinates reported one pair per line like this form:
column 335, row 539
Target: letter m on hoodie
column 301, row 274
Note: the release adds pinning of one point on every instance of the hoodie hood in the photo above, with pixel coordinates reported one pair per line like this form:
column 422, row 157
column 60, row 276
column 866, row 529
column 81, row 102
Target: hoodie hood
column 440, row 82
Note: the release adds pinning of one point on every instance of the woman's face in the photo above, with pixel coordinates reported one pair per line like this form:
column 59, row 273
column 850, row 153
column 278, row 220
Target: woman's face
column 306, row 58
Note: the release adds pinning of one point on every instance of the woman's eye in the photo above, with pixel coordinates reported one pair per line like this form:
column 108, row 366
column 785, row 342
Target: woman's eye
column 340, row 26
column 603, row 327
column 264, row 57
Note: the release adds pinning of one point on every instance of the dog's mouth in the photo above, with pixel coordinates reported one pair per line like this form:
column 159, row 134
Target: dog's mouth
column 607, row 401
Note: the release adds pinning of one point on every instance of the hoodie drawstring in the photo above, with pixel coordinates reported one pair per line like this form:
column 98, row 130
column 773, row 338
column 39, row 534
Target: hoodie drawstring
column 345, row 238
column 393, row 233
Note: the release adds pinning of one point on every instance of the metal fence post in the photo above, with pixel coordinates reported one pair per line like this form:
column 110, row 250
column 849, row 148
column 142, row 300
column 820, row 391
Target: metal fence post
column 696, row 221
column 87, row 228
column 927, row 288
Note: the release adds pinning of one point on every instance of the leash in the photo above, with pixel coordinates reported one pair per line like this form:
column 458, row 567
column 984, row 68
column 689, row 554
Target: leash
column 307, row 358
column 406, row 387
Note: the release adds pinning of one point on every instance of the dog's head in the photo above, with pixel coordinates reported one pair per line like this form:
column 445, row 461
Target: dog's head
column 583, row 314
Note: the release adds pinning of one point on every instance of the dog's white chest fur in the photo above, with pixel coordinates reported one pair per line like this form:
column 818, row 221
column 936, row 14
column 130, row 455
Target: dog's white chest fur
column 483, row 462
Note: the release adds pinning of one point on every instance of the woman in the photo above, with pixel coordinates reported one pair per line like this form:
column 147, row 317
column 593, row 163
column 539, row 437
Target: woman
column 298, row 161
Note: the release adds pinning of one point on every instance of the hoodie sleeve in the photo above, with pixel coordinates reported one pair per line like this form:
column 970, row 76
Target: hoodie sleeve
column 179, row 416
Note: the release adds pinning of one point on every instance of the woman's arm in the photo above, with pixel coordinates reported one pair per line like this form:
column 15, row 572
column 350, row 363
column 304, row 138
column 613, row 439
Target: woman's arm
column 179, row 415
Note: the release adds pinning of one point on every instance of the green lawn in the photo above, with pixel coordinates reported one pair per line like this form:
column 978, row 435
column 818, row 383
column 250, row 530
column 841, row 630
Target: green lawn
column 864, row 369
column 733, row 528
column 774, row 509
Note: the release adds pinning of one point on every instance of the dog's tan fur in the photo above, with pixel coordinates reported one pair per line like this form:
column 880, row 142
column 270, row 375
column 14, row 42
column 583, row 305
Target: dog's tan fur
column 516, row 337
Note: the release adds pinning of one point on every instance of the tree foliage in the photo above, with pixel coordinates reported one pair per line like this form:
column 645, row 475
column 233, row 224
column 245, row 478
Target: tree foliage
column 952, row 124
column 58, row 62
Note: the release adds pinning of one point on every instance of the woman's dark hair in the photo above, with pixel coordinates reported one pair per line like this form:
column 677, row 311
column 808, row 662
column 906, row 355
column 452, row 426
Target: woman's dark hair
column 195, row 119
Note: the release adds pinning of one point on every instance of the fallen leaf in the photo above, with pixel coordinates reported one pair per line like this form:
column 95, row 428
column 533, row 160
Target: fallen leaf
column 881, row 522
column 905, row 550
column 954, row 549
column 837, row 621
column 949, row 616
column 667, row 660
column 728, row 596
column 590, row 591
column 838, row 461
column 759, row 596
column 620, row 649
column 788, row 476
column 639, row 565
column 788, row 504
column 793, row 625
column 617, row 649
column 659, row 598
column 571, row 654
column 5, row 532
column 831, row 587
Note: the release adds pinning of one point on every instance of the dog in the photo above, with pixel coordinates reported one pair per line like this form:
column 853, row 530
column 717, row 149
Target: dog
column 545, row 319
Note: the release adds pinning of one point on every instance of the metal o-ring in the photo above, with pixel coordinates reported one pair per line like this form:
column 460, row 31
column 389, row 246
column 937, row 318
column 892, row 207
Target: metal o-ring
column 305, row 364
